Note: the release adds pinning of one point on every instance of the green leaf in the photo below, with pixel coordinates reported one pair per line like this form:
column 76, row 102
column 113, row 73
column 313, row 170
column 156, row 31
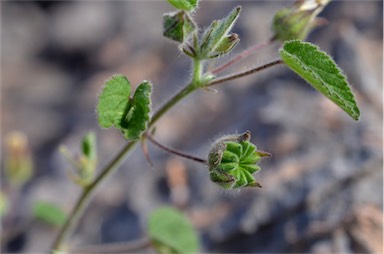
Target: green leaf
column 232, row 161
column 319, row 70
column 171, row 232
column 115, row 108
column 113, row 101
column 49, row 213
column 217, row 40
column 137, row 118
column 178, row 26
column 186, row 5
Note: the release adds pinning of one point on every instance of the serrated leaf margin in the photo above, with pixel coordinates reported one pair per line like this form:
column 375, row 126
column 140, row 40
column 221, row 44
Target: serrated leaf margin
column 299, row 66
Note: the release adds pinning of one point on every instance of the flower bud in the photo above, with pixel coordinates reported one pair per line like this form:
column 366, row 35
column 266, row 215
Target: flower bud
column 298, row 21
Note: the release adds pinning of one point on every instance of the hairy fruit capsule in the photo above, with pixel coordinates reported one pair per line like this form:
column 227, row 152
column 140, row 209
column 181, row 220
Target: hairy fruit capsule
column 232, row 161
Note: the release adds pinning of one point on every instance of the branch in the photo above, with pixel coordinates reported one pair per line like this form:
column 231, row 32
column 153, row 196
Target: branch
column 243, row 74
column 173, row 151
column 86, row 194
column 242, row 55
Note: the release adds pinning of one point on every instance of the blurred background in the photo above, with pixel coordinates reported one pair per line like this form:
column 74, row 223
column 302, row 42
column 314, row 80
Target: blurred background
column 322, row 189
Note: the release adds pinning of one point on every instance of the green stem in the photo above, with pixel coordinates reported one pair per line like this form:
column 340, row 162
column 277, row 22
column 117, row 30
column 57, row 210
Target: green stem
column 175, row 99
column 86, row 195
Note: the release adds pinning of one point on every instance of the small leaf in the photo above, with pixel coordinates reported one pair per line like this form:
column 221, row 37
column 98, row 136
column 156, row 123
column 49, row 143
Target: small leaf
column 113, row 101
column 171, row 232
column 49, row 213
column 136, row 121
column 320, row 71
column 186, row 5
column 115, row 108
column 178, row 26
column 217, row 40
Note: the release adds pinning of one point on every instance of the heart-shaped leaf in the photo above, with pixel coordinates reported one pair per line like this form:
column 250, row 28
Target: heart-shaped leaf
column 116, row 108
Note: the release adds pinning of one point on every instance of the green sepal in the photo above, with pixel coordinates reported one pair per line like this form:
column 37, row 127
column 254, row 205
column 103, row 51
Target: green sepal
column 217, row 39
column 226, row 45
column 171, row 232
column 178, row 26
column 232, row 161
column 298, row 21
column 320, row 71
column 185, row 5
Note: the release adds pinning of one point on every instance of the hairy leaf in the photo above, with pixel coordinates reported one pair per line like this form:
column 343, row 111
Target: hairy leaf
column 185, row 5
column 130, row 115
column 178, row 26
column 137, row 118
column 171, row 232
column 113, row 101
column 49, row 213
column 319, row 70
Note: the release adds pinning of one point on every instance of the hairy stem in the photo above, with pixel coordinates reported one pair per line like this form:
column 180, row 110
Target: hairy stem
column 87, row 192
column 173, row 151
column 243, row 74
column 242, row 55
